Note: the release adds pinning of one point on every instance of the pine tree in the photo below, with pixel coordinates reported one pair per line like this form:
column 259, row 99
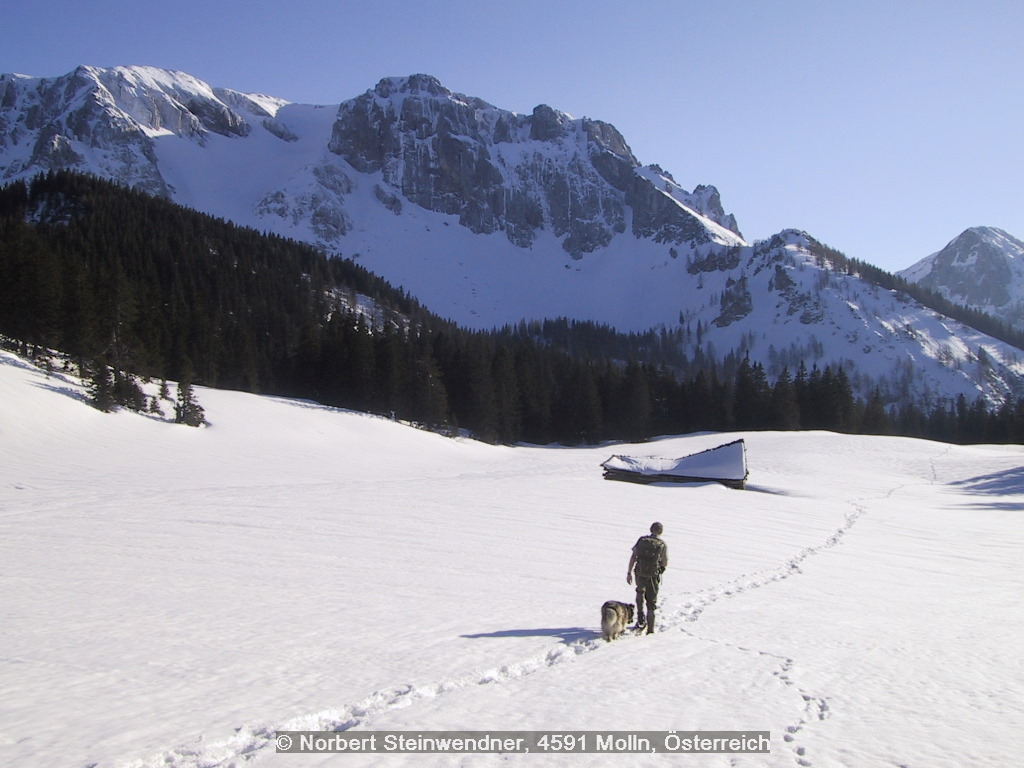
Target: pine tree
column 101, row 387
column 536, row 384
column 785, row 410
column 751, row 395
column 874, row 420
column 506, row 392
column 361, row 366
column 127, row 391
column 30, row 288
column 430, row 398
column 481, row 404
column 577, row 410
column 636, row 403
column 187, row 410
column 390, row 374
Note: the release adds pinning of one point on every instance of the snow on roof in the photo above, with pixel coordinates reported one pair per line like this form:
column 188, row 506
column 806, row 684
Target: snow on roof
column 724, row 462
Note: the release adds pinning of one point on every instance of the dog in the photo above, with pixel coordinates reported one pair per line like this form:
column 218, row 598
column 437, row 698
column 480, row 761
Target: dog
column 615, row 617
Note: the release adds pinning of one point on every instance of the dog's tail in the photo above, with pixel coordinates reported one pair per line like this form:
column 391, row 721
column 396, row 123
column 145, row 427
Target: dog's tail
column 610, row 624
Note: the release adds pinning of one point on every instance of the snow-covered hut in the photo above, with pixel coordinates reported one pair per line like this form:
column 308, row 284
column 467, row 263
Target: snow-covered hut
column 726, row 464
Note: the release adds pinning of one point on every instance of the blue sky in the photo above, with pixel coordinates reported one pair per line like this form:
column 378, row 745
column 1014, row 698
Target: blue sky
column 884, row 129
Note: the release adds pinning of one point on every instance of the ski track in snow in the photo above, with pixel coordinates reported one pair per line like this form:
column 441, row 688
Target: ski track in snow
column 250, row 741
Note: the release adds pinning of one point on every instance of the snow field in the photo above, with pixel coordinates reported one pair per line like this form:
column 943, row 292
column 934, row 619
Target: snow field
column 175, row 595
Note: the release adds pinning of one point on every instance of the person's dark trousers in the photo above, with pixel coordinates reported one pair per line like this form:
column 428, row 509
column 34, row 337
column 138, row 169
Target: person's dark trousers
column 646, row 597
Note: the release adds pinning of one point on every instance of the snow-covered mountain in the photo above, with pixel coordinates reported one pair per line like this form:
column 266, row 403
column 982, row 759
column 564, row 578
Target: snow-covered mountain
column 407, row 141
column 982, row 268
column 490, row 217
column 104, row 121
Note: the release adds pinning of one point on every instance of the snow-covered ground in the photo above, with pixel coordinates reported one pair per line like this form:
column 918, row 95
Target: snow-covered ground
column 172, row 596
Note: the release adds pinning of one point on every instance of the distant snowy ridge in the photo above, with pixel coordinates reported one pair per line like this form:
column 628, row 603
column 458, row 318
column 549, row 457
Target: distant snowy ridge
column 448, row 153
column 489, row 217
column 982, row 268
column 104, row 120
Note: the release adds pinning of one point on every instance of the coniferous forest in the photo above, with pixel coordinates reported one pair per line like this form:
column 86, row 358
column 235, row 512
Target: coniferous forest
column 130, row 286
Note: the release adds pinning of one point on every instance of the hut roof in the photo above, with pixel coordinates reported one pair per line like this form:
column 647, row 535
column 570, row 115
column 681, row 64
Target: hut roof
column 726, row 464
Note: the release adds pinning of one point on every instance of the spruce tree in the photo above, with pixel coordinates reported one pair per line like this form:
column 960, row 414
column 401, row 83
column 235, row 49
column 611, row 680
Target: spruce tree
column 127, row 391
column 785, row 411
column 635, row 403
column 506, row 393
column 481, row 406
column 430, row 398
column 752, row 396
column 101, row 387
column 187, row 410
column 875, row 420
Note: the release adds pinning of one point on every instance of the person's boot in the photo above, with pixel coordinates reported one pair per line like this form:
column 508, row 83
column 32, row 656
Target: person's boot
column 650, row 622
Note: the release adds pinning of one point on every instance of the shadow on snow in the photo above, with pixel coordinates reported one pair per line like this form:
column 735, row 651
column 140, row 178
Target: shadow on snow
column 1009, row 482
column 566, row 634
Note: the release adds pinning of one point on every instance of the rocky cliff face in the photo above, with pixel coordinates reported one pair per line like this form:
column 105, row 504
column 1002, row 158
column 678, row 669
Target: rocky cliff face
column 104, row 121
column 503, row 172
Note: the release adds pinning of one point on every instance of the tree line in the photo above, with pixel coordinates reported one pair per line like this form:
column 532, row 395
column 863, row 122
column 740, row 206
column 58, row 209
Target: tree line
column 828, row 257
column 128, row 286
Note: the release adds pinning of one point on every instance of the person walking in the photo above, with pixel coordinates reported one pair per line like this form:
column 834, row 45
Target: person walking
column 646, row 564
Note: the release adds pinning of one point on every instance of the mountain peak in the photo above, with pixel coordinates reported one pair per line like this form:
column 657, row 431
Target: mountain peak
column 988, row 242
column 982, row 267
column 413, row 84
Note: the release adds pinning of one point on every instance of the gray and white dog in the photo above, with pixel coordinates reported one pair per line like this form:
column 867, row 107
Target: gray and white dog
column 615, row 617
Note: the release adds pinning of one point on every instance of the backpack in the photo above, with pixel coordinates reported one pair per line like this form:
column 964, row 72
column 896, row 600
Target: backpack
column 649, row 550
